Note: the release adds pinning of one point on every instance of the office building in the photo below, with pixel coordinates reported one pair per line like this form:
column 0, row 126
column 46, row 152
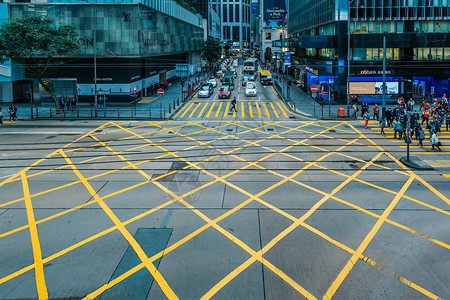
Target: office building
column 137, row 44
column 235, row 17
column 417, row 34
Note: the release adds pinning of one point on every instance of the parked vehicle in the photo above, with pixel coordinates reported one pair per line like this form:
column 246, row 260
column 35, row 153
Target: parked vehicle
column 225, row 92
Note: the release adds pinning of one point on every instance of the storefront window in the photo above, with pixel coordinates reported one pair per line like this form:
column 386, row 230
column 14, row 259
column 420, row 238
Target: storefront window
column 416, row 26
column 439, row 54
column 447, row 53
column 396, row 54
column 399, row 27
column 444, row 27
column 423, row 27
column 385, row 27
column 369, row 55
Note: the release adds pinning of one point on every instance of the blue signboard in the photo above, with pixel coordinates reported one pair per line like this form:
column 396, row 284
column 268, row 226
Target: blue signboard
column 287, row 58
column 255, row 8
column 275, row 13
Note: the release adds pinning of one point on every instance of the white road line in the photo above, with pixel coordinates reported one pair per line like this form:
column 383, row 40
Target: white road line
column 7, row 176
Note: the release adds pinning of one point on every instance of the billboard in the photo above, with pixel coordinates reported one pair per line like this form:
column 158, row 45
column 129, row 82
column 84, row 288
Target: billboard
column 214, row 26
column 373, row 88
column 255, row 7
column 287, row 58
column 275, row 13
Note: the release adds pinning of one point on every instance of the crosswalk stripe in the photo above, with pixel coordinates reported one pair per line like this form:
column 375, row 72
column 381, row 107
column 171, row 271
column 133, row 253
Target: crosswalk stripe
column 282, row 110
column 250, row 109
column 210, row 110
column 259, row 110
column 274, row 110
column 195, row 109
column 218, row 109
column 242, row 110
column 267, row 111
column 203, row 109
column 226, row 109
column 185, row 112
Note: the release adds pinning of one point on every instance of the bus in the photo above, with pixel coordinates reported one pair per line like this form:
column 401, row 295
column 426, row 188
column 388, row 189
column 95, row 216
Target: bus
column 246, row 53
column 251, row 68
column 265, row 77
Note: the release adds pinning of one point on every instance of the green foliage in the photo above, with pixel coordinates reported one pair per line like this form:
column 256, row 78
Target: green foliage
column 211, row 50
column 34, row 41
column 186, row 5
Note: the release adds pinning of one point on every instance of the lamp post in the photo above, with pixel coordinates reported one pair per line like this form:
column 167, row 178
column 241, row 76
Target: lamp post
column 348, row 57
column 94, row 51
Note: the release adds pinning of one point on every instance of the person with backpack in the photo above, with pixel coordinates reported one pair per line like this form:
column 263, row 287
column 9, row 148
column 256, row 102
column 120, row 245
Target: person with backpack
column 383, row 125
column 398, row 129
column 425, row 116
column 233, row 105
column 421, row 137
column 11, row 113
column 447, row 120
column 389, row 117
column 434, row 141
column 366, row 119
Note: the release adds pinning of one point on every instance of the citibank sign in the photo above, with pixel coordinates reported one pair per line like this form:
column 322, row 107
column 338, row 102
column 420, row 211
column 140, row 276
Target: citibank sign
column 373, row 72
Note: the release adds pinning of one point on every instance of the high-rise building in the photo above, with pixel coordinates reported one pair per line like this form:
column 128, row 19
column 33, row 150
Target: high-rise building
column 417, row 35
column 235, row 17
column 136, row 44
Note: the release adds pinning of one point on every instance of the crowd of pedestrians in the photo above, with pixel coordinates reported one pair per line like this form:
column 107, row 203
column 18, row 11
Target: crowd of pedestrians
column 431, row 117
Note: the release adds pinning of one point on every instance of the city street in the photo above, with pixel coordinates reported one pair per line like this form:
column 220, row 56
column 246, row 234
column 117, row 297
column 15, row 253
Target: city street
column 226, row 207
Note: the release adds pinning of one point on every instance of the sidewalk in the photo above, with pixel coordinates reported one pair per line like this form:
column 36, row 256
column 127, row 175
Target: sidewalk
column 158, row 107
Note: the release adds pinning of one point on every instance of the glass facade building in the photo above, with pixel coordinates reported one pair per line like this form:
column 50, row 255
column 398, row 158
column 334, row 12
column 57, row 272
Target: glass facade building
column 137, row 43
column 417, row 34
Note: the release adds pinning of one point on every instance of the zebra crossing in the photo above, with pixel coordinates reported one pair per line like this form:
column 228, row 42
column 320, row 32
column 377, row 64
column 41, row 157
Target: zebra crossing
column 245, row 110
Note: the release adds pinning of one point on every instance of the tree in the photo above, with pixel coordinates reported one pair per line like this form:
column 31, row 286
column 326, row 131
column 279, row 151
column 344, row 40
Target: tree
column 212, row 50
column 227, row 47
column 34, row 42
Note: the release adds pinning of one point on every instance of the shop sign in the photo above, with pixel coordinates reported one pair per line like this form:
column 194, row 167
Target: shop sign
column 374, row 72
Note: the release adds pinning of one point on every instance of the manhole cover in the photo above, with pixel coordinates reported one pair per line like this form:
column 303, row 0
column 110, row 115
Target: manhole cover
column 269, row 129
column 229, row 129
column 332, row 130
column 292, row 117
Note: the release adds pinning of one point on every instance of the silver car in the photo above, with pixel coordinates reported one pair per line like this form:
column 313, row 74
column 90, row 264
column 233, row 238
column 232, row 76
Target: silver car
column 205, row 90
column 250, row 90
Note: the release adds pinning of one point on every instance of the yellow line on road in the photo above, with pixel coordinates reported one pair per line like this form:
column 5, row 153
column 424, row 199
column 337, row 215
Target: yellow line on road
column 203, row 109
column 259, row 110
column 226, row 109
column 267, row 111
column 282, row 110
column 187, row 109
column 126, row 234
column 37, row 254
column 250, row 111
column 446, row 175
column 243, row 110
column 218, row 109
column 210, row 109
column 348, row 267
column 274, row 110
column 193, row 112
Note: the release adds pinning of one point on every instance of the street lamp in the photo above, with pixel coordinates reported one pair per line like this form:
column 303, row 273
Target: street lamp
column 348, row 57
column 94, row 15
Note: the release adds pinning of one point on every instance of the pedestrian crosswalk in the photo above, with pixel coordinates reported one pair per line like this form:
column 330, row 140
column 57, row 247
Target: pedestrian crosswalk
column 244, row 109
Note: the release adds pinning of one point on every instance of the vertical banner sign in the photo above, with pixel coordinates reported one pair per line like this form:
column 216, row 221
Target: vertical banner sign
column 275, row 13
column 255, row 7
column 287, row 58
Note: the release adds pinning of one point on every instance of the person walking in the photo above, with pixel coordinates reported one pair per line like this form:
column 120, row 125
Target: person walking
column 383, row 125
column 14, row 113
column 366, row 119
column 233, row 105
column 434, row 141
column 389, row 117
column 398, row 129
column 355, row 109
column 425, row 116
column 11, row 113
column 100, row 102
column 447, row 120
column 1, row 116
column 74, row 104
column 421, row 137
column 376, row 112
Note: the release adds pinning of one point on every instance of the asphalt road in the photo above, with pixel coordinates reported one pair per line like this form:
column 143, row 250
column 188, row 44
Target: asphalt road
column 219, row 207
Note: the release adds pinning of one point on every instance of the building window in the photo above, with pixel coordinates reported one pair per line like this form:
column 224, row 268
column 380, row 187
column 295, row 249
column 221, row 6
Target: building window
column 268, row 35
column 225, row 13
column 231, row 13
column 236, row 9
column 235, row 33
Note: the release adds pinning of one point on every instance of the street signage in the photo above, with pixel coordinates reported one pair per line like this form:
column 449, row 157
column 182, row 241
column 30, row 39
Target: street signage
column 160, row 92
column 314, row 89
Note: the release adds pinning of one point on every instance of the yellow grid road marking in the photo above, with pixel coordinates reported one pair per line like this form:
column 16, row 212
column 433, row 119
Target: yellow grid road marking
column 210, row 109
column 267, row 111
column 282, row 110
column 218, row 109
column 259, row 110
column 187, row 109
column 274, row 110
column 126, row 234
column 250, row 110
column 203, row 109
column 193, row 111
column 37, row 254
